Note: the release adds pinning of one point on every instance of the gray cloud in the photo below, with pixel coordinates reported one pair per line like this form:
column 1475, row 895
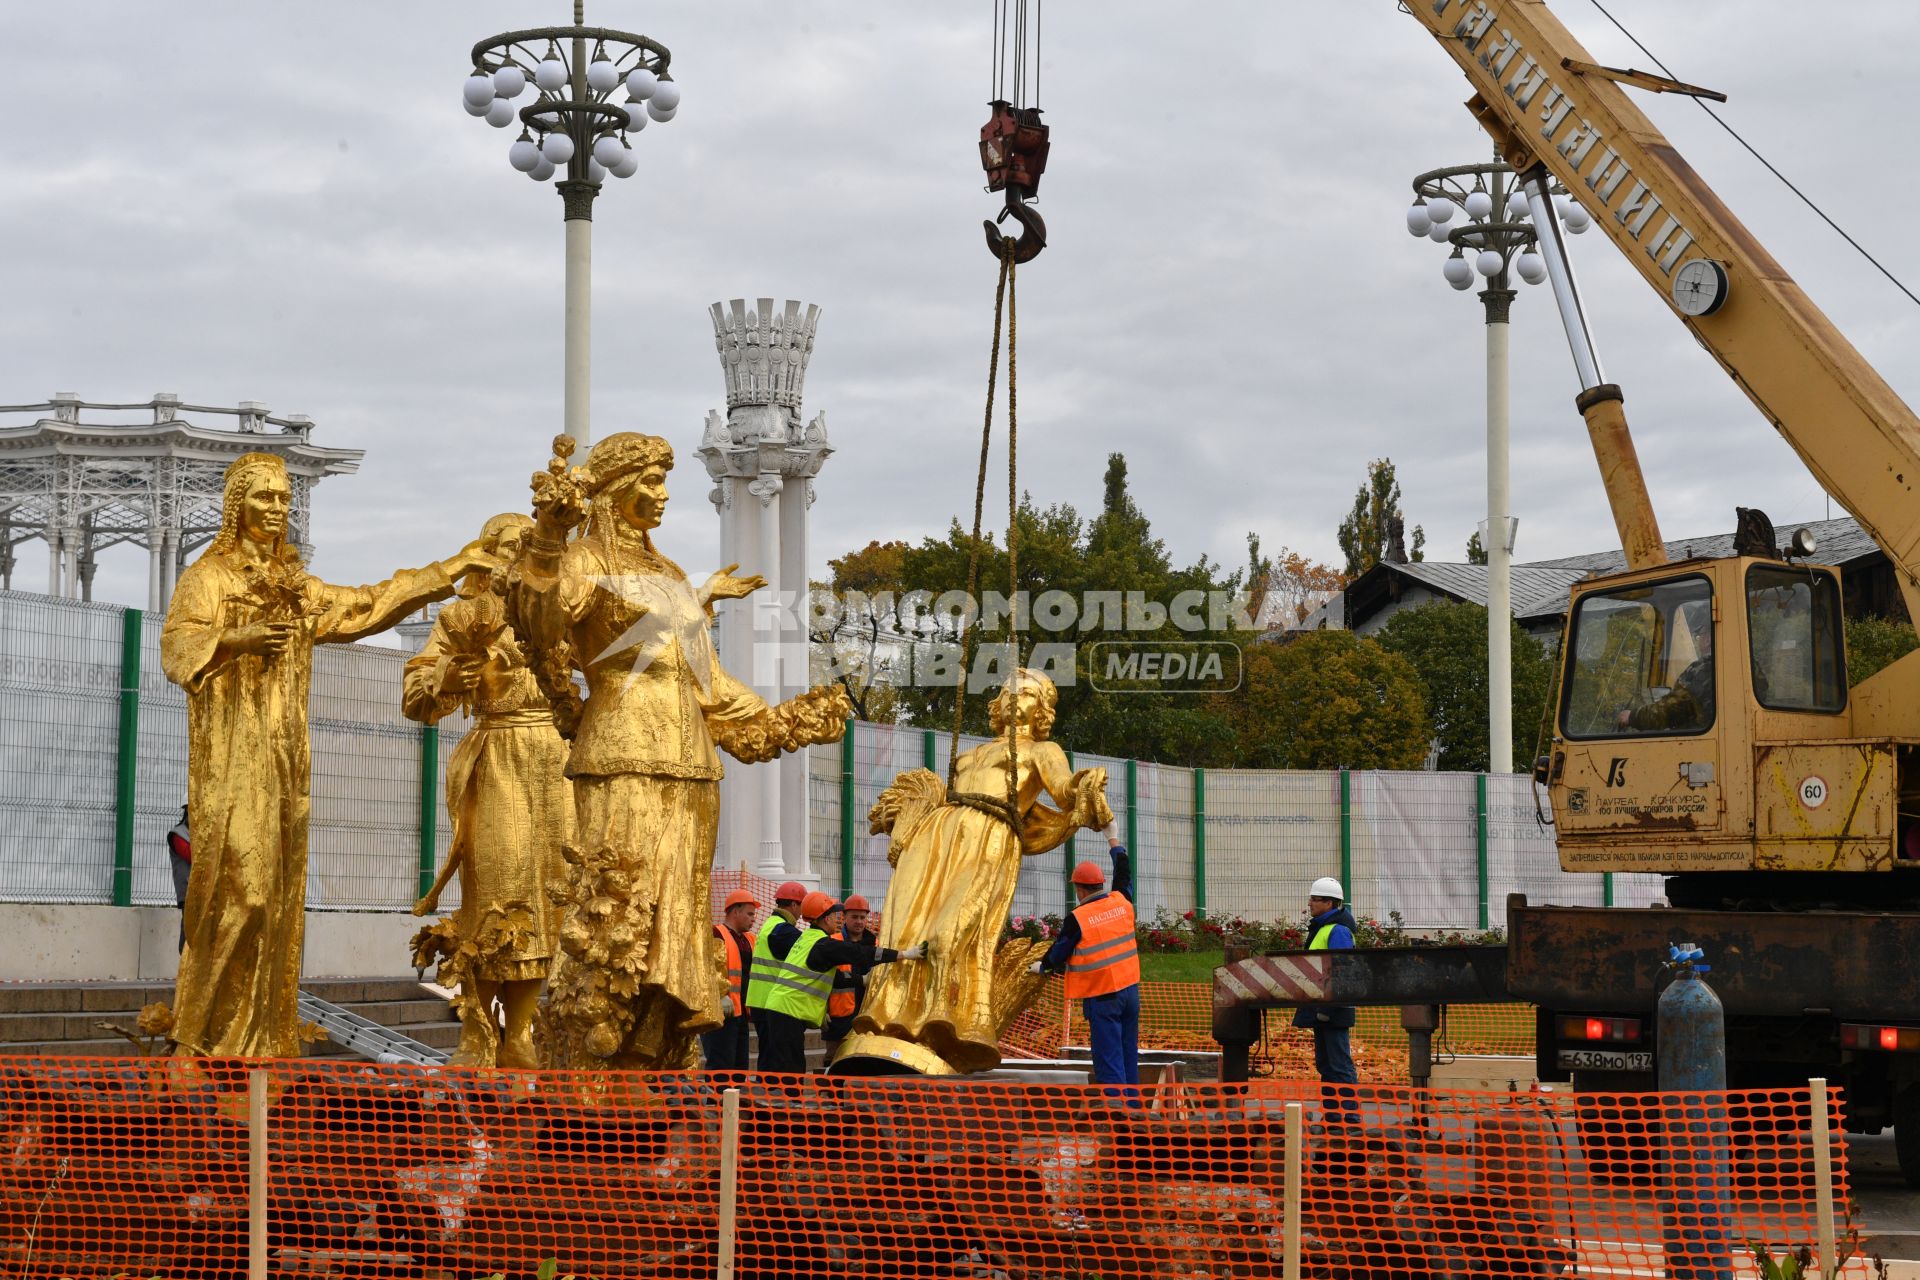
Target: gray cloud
column 262, row 202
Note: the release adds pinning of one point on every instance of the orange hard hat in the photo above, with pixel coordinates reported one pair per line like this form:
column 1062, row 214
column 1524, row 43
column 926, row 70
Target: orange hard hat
column 741, row 898
column 855, row 902
column 1088, row 874
column 816, row 905
column 791, row 891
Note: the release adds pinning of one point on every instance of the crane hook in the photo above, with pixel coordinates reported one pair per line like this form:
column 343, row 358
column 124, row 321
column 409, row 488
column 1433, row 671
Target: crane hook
column 1013, row 150
column 1033, row 229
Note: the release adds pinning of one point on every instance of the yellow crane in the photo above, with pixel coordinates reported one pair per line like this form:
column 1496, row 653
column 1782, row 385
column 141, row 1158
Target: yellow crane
column 1705, row 729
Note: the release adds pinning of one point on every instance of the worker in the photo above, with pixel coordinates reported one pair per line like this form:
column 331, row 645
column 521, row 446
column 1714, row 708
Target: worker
column 786, row 906
column 726, row 1049
column 1331, row 929
column 793, row 969
column 1097, row 950
column 849, row 980
column 1689, row 705
column 180, row 856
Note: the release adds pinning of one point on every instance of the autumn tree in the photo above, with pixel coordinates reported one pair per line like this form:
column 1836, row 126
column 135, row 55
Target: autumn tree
column 1327, row 699
column 1114, row 554
column 1286, row 587
column 856, row 629
column 1446, row 644
column 1375, row 528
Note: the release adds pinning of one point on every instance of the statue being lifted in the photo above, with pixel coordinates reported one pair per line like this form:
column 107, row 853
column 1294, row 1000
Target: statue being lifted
column 640, row 974
column 239, row 639
column 956, row 857
column 512, row 811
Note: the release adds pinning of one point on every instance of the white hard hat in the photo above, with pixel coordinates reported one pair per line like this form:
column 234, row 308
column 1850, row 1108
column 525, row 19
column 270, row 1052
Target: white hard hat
column 1327, row 887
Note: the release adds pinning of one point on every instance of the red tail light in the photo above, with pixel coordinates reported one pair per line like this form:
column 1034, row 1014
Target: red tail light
column 1574, row 1026
column 1854, row 1035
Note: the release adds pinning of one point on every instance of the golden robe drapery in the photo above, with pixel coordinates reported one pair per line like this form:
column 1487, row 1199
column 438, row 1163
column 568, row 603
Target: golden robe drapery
column 955, row 869
column 247, row 786
column 507, row 794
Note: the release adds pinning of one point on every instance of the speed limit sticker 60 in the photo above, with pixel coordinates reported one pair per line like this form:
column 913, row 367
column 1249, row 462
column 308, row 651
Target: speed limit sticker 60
column 1813, row 791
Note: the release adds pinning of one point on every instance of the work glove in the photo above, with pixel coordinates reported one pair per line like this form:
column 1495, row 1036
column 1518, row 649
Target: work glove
column 1034, row 967
column 918, row 951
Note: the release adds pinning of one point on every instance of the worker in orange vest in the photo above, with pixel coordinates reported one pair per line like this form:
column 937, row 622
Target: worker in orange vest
column 726, row 1049
column 1097, row 951
column 849, row 980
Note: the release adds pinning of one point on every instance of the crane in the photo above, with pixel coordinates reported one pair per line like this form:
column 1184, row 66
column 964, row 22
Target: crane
column 1705, row 730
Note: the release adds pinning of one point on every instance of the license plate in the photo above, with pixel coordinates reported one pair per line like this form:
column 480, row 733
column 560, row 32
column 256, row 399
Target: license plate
column 1606, row 1060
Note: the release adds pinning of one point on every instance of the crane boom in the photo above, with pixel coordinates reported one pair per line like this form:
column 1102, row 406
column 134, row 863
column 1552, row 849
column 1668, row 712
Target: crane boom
column 1538, row 96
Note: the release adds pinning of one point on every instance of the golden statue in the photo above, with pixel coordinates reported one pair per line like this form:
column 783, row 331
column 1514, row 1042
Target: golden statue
column 956, row 859
column 512, row 810
column 640, row 974
column 239, row 639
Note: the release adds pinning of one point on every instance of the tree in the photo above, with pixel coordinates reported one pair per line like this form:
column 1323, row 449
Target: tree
column 1874, row 644
column 1285, row 588
column 1115, row 554
column 1476, row 554
column 1327, row 699
column 1446, row 644
column 856, row 632
column 1372, row 531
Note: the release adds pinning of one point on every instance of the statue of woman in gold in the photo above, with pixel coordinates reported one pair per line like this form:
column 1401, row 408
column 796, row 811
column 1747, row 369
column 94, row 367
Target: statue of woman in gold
column 239, row 639
column 512, row 810
column 640, row 974
column 956, row 858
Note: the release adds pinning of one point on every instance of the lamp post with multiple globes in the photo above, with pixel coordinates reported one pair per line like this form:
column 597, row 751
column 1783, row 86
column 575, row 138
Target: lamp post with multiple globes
column 573, row 130
column 1498, row 231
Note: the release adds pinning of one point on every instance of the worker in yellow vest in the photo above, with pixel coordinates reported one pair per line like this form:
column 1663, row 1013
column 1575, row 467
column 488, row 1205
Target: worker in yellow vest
column 726, row 1049
column 1330, row 928
column 1097, row 951
column 793, row 976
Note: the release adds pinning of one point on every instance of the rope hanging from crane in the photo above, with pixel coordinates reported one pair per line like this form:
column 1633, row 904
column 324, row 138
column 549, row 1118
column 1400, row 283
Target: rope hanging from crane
column 1013, row 141
column 1013, row 150
column 1005, row 305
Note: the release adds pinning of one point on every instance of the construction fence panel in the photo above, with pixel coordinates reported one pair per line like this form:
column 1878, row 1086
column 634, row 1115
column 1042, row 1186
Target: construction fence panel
column 1414, row 848
column 364, row 837
column 139, row 1167
column 161, row 789
column 1270, row 833
column 60, row 664
column 1163, row 867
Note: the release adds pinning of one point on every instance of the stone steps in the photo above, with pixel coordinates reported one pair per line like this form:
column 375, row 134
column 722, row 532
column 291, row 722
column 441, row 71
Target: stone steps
column 63, row 1018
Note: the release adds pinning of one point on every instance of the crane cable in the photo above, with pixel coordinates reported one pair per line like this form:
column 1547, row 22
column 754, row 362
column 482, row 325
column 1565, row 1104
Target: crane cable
column 1005, row 305
column 1751, row 150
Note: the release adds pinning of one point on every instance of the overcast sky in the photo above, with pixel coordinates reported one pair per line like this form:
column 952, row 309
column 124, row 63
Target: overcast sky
column 286, row 203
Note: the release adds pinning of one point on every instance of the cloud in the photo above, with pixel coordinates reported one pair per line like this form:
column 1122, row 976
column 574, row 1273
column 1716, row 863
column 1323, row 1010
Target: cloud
column 289, row 205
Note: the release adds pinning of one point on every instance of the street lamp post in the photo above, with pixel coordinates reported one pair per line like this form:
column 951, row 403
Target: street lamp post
column 573, row 127
column 1498, row 231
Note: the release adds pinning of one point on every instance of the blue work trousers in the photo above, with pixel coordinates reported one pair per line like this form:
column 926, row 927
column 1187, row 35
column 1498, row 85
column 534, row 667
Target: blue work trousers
column 1333, row 1059
column 1114, row 1023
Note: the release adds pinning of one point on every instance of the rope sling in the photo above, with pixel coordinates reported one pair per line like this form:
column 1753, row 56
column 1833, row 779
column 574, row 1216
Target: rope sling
column 1005, row 307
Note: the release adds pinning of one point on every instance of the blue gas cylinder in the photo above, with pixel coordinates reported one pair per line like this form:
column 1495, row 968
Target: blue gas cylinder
column 1698, row 1177
column 1690, row 1027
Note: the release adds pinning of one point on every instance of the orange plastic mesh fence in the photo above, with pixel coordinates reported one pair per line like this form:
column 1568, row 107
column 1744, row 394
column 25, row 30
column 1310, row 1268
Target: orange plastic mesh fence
column 138, row 1167
column 1179, row 1015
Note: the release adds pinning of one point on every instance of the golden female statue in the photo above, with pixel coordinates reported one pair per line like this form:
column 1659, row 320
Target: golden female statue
column 239, row 639
column 512, row 810
column 956, row 858
column 640, row 973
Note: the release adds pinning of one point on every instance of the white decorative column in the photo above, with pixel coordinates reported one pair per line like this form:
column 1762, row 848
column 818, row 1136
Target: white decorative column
column 763, row 460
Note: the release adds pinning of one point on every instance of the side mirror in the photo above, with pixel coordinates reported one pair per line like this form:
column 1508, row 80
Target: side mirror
column 1540, row 766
